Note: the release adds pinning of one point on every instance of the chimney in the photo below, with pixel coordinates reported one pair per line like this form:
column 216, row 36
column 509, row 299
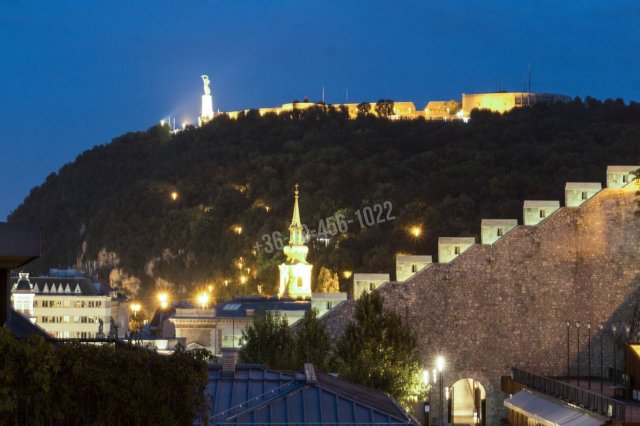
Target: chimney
column 229, row 359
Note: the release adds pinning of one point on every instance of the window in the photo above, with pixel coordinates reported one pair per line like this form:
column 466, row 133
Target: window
column 371, row 287
column 329, row 305
column 584, row 195
column 499, row 232
column 299, row 283
column 414, row 268
column 456, row 250
column 625, row 178
column 543, row 214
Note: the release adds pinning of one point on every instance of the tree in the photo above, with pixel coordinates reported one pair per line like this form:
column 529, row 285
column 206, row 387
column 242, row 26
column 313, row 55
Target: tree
column 384, row 108
column 268, row 341
column 327, row 282
column 379, row 351
column 363, row 108
column 311, row 342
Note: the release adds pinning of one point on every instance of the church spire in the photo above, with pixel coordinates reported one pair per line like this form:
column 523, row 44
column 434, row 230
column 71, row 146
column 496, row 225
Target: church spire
column 295, row 229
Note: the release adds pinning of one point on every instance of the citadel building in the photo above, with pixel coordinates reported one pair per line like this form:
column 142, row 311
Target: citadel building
column 500, row 102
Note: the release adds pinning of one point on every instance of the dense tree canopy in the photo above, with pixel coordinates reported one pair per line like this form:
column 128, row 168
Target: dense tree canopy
column 235, row 181
column 380, row 351
column 82, row 384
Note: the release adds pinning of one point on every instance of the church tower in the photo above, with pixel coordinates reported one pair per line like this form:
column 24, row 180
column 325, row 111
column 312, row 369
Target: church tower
column 295, row 272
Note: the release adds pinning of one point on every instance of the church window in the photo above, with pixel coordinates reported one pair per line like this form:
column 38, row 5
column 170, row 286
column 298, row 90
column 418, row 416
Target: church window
column 543, row 214
column 584, row 195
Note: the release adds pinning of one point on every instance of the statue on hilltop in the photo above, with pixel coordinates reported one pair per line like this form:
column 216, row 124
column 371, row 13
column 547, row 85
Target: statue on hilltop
column 206, row 82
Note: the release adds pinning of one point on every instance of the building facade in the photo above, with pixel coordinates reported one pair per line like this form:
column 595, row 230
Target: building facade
column 68, row 305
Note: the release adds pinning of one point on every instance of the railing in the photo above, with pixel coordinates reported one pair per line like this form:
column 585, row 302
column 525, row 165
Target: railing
column 591, row 401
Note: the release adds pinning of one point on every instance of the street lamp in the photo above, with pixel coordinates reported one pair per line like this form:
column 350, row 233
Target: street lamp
column 135, row 307
column 578, row 350
column 427, row 406
column 164, row 300
column 174, row 195
column 203, row 299
column 415, row 231
column 440, row 368
column 589, row 367
column 613, row 337
column 601, row 358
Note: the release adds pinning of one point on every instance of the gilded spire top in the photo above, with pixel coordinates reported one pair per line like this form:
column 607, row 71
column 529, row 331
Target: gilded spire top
column 295, row 230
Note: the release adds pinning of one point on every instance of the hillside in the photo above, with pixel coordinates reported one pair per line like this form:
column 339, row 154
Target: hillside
column 112, row 204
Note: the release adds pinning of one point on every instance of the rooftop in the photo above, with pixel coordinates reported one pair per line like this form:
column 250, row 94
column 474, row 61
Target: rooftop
column 253, row 394
column 533, row 204
column 594, row 186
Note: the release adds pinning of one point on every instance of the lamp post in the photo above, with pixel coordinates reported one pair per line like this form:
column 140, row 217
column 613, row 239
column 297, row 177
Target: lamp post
column 613, row 340
column 589, row 366
column 440, row 368
column 578, row 350
column 601, row 358
column 427, row 406
column 568, row 354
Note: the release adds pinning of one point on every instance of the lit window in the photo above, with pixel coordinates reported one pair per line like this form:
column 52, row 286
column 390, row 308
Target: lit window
column 299, row 283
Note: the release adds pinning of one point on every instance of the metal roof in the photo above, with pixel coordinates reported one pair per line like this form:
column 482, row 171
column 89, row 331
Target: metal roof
column 547, row 411
column 375, row 277
column 533, row 204
column 237, row 308
column 622, row 169
column 19, row 244
column 583, row 186
column 499, row 222
column 457, row 240
column 414, row 258
column 256, row 395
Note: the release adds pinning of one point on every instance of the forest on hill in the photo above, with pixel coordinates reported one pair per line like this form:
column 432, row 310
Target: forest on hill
column 234, row 179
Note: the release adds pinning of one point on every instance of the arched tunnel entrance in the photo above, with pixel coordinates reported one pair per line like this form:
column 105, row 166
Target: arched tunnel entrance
column 467, row 403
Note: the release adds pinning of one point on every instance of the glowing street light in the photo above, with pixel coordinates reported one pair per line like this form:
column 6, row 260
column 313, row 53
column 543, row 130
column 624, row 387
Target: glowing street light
column 347, row 274
column 203, row 299
column 440, row 368
column 243, row 279
column 237, row 229
column 415, row 231
column 425, row 377
column 164, row 300
column 135, row 308
column 174, row 195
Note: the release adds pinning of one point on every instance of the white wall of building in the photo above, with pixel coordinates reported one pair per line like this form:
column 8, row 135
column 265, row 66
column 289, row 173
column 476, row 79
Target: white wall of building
column 577, row 193
column 451, row 247
column 535, row 211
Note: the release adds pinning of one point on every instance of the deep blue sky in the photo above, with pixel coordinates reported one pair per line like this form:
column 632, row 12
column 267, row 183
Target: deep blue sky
column 74, row 74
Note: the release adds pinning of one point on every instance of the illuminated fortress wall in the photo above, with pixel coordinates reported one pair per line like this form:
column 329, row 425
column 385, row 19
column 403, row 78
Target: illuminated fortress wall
column 506, row 101
column 507, row 304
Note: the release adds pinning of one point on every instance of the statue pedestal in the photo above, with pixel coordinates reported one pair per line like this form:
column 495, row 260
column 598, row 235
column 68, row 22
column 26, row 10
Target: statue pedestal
column 206, row 112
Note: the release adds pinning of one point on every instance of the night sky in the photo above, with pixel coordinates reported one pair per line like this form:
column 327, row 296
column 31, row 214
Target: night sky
column 75, row 74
